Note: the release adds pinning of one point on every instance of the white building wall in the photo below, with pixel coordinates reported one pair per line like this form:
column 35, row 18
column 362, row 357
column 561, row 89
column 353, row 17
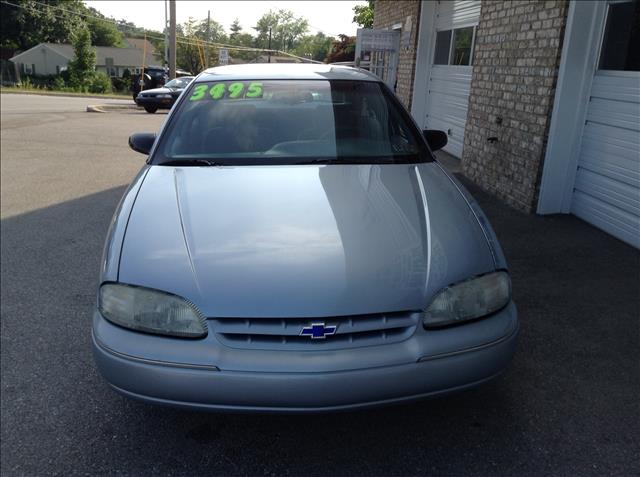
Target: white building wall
column 44, row 59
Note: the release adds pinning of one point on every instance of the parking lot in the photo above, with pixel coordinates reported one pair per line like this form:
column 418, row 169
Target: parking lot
column 568, row 404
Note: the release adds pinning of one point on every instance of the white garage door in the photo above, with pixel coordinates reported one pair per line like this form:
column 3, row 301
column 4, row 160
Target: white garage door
column 607, row 185
column 450, row 71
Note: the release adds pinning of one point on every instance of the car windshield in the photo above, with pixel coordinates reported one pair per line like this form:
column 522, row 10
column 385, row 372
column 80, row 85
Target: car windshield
column 178, row 83
column 289, row 122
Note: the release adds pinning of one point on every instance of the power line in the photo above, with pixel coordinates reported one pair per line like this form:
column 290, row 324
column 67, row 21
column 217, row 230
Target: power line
column 182, row 40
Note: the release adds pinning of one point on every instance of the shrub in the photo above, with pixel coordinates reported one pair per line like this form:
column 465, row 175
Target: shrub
column 58, row 83
column 25, row 83
column 120, row 84
column 100, row 83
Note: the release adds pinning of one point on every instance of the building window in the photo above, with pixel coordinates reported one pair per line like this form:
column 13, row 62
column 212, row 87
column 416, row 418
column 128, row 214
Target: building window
column 462, row 43
column 454, row 47
column 443, row 45
column 111, row 71
column 33, row 69
column 621, row 37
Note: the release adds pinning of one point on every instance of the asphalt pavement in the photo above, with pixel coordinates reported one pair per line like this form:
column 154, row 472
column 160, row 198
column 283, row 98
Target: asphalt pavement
column 568, row 405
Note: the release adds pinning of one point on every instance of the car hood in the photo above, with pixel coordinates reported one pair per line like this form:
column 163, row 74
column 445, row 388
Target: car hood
column 303, row 241
column 162, row 90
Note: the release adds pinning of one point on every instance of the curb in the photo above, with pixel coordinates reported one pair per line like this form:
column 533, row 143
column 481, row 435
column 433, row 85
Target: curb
column 105, row 108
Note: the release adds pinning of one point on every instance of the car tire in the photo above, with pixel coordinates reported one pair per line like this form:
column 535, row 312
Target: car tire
column 151, row 109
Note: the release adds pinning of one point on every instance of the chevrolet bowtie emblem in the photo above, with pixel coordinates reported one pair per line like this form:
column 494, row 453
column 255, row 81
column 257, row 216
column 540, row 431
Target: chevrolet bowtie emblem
column 318, row 331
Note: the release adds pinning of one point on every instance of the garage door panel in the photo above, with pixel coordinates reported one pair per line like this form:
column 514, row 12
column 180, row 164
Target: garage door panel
column 609, row 190
column 457, row 14
column 611, row 171
column 451, row 108
column 615, row 142
column 616, row 88
column 614, row 113
column 607, row 183
column 449, row 85
column 607, row 217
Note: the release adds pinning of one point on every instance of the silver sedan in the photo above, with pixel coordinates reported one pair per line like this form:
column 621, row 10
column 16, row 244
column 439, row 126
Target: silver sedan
column 292, row 245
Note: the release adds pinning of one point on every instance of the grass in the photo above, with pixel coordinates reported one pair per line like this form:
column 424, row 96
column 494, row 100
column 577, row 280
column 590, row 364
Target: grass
column 49, row 92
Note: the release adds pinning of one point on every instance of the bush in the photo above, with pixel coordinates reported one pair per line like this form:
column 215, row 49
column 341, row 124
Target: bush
column 100, row 83
column 58, row 83
column 25, row 83
column 120, row 84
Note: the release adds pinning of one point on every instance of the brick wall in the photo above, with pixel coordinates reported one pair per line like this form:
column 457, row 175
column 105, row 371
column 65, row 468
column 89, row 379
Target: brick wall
column 388, row 13
column 517, row 54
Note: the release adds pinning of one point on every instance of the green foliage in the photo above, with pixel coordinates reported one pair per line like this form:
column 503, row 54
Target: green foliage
column 343, row 49
column 236, row 29
column 315, row 47
column 104, row 33
column 363, row 14
column 82, row 67
column 120, row 84
column 286, row 29
column 58, row 83
column 34, row 23
column 192, row 51
column 100, row 83
column 56, row 22
column 26, row 84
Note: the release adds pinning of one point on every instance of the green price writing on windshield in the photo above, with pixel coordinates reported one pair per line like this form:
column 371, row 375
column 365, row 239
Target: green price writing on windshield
column 237, row 90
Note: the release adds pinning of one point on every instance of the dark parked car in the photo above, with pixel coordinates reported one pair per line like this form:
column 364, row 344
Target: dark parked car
column 163, row 98
column 153, row 77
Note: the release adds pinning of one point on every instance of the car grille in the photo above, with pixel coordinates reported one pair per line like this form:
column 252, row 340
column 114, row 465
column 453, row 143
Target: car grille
column 284, row 334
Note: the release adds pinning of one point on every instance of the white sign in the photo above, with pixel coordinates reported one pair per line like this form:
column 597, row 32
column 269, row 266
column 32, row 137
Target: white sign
column 223, row 56
column 385, row 40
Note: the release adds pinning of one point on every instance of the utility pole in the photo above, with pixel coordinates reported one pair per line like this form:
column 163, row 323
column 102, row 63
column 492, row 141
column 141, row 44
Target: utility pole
column 206, row 59
column 269, row 61
column 172, row 41
column 166, row 36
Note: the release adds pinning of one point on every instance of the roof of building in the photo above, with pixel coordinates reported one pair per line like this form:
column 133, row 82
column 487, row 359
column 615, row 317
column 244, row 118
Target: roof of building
column 121, row 56
column 267, row 71
column 140, row 43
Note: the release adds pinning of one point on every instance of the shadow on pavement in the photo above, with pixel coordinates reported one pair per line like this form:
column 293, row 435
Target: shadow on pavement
column 567, row 405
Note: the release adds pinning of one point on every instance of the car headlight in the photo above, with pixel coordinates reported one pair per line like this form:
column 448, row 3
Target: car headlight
column 468, row 300
column 152, row 311
column 164, row 96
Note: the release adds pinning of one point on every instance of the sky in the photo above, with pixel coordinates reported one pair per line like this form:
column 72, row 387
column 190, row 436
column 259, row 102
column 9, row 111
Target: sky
column 330, row 17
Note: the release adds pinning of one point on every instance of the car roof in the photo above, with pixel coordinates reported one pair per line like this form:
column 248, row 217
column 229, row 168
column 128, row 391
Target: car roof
column 267, row 71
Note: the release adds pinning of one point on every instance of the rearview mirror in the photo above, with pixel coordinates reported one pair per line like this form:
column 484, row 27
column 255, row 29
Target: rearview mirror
column 436, row 139
column 142, row 142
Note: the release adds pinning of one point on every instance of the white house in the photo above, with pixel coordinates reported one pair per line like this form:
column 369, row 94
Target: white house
column 52, row 58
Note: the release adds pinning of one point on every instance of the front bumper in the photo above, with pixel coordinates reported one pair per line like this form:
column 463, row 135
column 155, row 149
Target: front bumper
column 209, row 386
column 165, row 103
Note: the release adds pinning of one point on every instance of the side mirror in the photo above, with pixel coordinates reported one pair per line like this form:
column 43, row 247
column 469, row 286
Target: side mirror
column 436, row 139
column 142, row 142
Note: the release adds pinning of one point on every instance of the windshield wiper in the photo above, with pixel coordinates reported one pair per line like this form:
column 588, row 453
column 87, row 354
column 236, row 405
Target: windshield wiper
column 189, row 162
column 334, row 160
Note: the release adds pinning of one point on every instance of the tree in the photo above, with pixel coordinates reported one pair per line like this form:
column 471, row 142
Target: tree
column 191, row 49
column 315, row 47
column 54, row 21
column 82, row 67
column 32, row 23
column 363, row 14
column 235, row 30
column 343, row 49
column 188, row 55
column 103, row 33
column 286, row 29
